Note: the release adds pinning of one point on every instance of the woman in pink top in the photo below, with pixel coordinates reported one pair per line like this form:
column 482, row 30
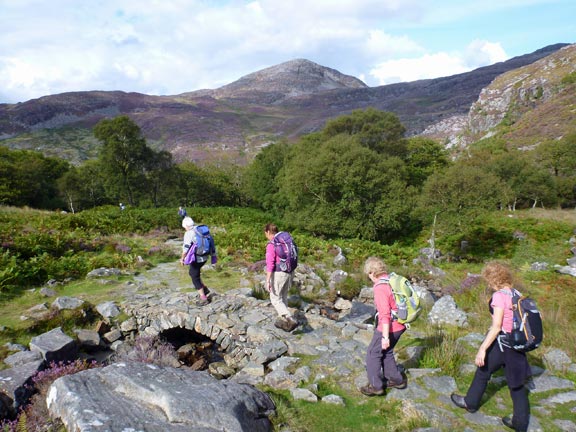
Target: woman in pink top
column 380, row 361
column 278, row 282
column 492, row 354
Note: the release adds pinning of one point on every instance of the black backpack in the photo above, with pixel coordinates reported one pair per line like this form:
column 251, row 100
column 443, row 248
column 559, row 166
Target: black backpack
column 527, row 330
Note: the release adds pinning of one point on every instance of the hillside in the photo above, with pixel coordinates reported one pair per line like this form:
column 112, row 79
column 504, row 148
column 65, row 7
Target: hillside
column 525, row 106
column 236, row 120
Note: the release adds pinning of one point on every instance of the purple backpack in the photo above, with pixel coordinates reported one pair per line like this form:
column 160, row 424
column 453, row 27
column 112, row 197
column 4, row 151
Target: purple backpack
column 287, row 251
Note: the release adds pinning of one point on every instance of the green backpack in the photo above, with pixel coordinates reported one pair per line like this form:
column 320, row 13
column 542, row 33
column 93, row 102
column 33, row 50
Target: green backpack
column 406, row 298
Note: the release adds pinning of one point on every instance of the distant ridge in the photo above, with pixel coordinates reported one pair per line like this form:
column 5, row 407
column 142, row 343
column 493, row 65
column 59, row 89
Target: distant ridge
column 235, row 121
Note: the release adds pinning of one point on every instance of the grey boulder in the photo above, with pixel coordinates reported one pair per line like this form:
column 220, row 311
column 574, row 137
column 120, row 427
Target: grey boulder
column 144, row 397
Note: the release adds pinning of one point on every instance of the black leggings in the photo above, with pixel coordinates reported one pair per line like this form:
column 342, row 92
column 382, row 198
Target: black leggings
column 514, row 362
column 194, row 272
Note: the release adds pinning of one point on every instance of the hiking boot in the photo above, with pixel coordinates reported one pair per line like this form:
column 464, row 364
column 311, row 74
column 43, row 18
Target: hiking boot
column 202, row 302
column 280, row 323
column 283, row 324
column 461, row 403
column 292, row 323
column 401, row 385
column 507, row 421
column 368, row 390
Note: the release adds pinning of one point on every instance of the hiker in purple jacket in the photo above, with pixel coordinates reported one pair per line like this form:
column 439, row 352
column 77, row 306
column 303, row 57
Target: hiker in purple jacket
column 278, row 282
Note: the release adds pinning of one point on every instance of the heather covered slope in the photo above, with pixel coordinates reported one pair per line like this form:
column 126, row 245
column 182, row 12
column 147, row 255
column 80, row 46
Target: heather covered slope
column 236, row 120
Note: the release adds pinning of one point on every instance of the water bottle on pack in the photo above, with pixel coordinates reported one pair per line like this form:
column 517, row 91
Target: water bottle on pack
column 517, row 336
column 402, row 309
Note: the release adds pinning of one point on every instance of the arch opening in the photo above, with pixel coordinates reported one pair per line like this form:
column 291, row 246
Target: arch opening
column 194, row 350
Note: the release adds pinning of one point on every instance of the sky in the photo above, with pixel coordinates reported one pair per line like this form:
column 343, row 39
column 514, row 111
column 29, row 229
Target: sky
column 168, row 47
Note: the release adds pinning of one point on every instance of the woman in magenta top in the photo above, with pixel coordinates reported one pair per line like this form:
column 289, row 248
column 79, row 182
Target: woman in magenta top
column 493, row 354
column 381, row 366
column 278, row 282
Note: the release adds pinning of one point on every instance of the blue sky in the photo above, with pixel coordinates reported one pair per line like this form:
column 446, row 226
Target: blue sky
column 174, row 46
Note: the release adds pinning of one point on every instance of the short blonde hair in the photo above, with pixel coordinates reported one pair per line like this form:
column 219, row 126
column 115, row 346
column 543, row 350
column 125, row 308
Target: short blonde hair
column 375, row 266
column 497, row 274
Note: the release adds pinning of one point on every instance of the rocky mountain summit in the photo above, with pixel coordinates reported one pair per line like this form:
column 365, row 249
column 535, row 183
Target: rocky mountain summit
column 236, row 120
column 286, row 80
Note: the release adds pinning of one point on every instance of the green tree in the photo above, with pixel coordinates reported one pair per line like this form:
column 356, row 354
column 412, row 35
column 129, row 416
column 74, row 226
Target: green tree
column 530, row 183
column 210, row 185
column 538, row 187
column 83, row 187
column 510, row 167
column 161, row 178
column 124, row 156
column 425, row 156
column 340, row 187
column 558, row 156
column 260, row 175
column 28, row 178
column 380, row 131
column 69, row 187
column 224, row 185
column 454, row 198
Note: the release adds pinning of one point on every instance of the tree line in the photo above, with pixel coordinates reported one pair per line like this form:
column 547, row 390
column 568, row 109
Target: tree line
column 357, row 177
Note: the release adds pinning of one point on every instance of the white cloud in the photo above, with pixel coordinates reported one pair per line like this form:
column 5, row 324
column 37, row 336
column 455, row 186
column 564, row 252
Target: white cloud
column 477, row 54
column 481, row 53
column 381, row 44
column 169, row 47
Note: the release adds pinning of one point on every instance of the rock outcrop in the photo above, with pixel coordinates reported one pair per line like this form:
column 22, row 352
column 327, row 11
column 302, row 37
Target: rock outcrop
column 138, row 396
column 529, row 100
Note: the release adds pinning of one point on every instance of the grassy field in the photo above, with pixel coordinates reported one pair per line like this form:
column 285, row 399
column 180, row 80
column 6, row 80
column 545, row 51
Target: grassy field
column 55, row 243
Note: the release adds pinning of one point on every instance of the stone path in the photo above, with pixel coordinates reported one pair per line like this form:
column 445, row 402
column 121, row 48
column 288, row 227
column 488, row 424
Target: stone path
column 263, row 354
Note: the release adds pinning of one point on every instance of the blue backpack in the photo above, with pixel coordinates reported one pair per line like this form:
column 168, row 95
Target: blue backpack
column 287, row 251
column 204, row 243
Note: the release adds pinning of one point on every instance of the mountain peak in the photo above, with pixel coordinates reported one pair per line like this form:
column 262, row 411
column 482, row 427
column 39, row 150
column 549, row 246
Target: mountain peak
column 286, row 80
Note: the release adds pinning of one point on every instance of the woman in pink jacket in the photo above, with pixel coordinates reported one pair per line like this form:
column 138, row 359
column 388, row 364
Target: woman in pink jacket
column 381, row 365
column 494, row 353
column 278, row 282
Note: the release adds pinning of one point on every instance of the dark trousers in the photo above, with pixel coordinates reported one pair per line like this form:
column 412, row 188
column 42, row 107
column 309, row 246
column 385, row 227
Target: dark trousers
column 381, row 363
column 194, row 272
column 516, row 367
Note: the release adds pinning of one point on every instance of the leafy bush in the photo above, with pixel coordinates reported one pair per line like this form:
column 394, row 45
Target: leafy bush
column 350, row 287
column 570, row 78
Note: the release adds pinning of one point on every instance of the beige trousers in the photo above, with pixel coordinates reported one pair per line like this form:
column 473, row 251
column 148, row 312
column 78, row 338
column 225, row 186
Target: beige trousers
column 281, row 282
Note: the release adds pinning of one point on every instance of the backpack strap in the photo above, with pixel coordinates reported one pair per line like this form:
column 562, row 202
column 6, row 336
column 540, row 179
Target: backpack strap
column 386, row 280
column 511, row 292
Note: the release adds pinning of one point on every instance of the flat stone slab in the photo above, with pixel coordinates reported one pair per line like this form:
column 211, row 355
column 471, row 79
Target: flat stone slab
column 22, row 357
column 143, row 397
column 55, row 346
